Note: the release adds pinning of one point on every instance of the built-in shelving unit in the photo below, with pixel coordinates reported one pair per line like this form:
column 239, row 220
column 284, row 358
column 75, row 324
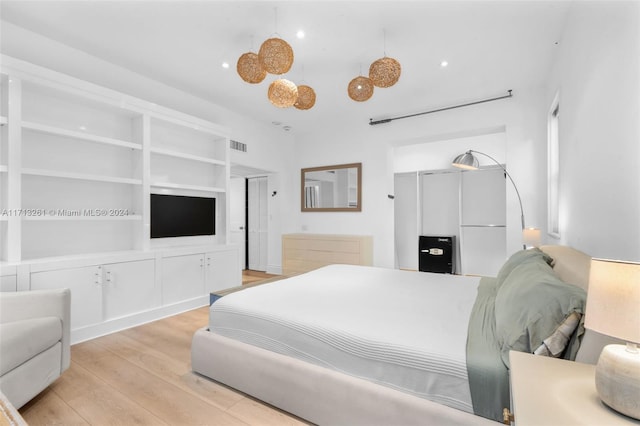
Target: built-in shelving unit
column 78, row 162
column 188, row 156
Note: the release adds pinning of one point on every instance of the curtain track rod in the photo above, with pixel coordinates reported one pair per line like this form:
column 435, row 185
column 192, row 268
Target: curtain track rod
column 388, row 120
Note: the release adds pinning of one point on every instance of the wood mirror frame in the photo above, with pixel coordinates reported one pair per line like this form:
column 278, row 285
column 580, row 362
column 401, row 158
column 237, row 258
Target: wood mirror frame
column 347, row 197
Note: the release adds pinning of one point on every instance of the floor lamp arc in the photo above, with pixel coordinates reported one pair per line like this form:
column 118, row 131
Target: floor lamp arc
column 468, row 161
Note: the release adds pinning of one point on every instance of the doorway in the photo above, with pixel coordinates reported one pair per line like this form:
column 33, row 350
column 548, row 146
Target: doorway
column 257, row 223
column 249, row 215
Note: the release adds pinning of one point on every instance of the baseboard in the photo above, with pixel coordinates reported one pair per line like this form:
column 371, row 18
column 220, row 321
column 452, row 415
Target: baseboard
column 274, row 269
column 117, row 324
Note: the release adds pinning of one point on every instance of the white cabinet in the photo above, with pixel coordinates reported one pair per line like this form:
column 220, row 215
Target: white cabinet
column 194, row 275
column 182, row 278
column 103, row 292
column 86, row 291
column 222, row 270
column 129, row 287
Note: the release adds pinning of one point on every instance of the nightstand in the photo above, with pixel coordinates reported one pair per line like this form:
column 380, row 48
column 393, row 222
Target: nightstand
column 550, row 391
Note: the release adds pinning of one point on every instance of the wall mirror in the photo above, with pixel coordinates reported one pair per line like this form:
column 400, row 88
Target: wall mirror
column 335, row 188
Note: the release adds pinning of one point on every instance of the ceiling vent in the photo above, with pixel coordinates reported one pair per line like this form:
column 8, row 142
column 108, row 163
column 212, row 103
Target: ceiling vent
column 238, row 146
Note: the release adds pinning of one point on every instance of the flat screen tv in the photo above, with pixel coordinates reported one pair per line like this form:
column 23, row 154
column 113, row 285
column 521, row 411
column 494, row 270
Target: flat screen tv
column 182, row 216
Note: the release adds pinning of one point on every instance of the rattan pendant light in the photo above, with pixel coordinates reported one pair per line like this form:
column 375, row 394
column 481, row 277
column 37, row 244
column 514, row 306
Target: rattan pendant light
column 385, row 72
column 306, row 97
column 276, row 56
column 282, row 93
column 360, row 88
column 250, row 69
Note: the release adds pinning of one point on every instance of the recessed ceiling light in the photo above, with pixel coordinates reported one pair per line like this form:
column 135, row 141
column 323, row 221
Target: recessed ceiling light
column 444, row 64
column 300, row 34
column 225, row 65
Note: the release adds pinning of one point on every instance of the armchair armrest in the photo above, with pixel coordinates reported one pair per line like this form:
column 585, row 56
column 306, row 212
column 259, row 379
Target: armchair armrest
column 21, row 305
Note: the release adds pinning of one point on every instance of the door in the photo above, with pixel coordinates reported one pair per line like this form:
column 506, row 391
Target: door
column 405, row 205
column 222, row 270
column 238, row 212
column 129, row 287
column 258, row 215
column 483, row 232
column 182, row 278
column 85, row 284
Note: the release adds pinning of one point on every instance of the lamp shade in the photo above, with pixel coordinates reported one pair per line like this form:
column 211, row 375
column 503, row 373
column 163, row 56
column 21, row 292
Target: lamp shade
column 360, row 89
column 466, row 161
column 531, row 237
column 613, row 305
column 306, row 97
column 276, row 56
column 384, row 72
column 283, row 93
column 250, row 69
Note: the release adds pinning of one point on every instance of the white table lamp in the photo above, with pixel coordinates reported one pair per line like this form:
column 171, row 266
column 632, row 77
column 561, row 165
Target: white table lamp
column 613, row 308
column 531, row 237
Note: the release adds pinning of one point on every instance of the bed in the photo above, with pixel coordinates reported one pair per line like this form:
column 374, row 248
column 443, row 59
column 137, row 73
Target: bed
column 347, row 345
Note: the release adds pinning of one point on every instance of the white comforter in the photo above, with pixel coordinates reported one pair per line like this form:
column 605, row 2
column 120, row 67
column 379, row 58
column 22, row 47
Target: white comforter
column 402, row 329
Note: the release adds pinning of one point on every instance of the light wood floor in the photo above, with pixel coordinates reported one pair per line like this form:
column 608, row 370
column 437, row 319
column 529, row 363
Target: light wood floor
column 142, row 376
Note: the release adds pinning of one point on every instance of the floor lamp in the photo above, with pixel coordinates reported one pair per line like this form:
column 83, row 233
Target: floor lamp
column 468, row 161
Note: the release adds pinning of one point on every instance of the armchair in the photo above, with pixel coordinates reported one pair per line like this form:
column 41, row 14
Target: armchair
column 35, row 345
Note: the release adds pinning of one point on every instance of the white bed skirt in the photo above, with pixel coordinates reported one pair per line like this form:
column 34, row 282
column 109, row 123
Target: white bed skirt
column 314, row 393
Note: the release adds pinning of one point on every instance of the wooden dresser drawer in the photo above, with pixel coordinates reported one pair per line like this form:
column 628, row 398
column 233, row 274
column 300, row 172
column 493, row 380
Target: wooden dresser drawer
column 305, row 252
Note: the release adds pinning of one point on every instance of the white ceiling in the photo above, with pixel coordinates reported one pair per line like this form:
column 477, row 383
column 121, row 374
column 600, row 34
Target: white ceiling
column 491, row 46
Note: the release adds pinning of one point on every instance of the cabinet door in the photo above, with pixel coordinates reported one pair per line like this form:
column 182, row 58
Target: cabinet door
column 223, row 270
column 86, row 291
column 182, row 278
column 129, row 287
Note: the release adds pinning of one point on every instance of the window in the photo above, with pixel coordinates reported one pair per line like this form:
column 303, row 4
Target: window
column 553, row 170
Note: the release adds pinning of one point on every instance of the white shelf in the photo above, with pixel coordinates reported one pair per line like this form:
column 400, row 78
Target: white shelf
column 189, row 187
column 81, row 146
column 82, row 176
column 70, row 217
column 172, row 153
column 43, row 128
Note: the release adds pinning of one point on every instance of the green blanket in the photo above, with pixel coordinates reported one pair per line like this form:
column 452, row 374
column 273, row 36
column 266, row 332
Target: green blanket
column 488, row 376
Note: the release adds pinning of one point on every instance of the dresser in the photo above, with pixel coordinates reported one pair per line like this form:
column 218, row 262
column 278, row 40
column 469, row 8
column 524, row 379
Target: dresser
column 306, row 252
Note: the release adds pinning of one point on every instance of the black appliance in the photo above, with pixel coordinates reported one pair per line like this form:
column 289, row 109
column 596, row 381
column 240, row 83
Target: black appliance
column 437, row 254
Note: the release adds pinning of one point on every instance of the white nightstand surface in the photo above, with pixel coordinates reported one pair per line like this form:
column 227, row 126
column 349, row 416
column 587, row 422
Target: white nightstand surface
column 549, row 391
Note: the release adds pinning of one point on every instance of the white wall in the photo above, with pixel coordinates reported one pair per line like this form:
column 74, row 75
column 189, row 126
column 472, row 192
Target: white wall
column 268, row 148
column 597, row 76
column 521, row 117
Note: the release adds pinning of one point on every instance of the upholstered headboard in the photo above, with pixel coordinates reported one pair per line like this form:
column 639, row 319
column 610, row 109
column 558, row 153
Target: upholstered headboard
column 571, row 265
